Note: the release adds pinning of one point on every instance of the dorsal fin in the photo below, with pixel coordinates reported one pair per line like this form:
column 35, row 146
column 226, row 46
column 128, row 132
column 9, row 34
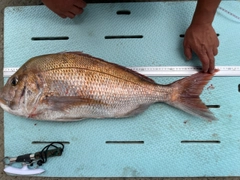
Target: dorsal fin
column 117, row 65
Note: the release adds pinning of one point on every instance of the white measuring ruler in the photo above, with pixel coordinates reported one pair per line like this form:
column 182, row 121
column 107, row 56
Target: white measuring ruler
column 184, row 70
column 163, row 70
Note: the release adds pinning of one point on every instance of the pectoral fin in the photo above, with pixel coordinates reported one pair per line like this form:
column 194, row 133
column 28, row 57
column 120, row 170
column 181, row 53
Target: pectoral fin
column 62, row 103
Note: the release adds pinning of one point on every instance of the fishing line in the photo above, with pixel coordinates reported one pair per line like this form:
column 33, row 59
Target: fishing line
column 229, row 13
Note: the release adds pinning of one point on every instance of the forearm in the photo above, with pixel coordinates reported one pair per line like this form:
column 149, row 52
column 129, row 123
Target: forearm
column 205, row 11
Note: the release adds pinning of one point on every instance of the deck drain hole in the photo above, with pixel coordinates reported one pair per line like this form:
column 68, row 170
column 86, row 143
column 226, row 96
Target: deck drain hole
column 124, row 37
column 182, row 35
column 213, row 106
column 48, row 142
column 123, row 12
column 200, row 142
column 49, row 38
column 124, row 142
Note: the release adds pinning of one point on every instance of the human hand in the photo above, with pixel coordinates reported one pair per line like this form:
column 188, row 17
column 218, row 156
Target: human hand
column 202, row 39
column 65, row 8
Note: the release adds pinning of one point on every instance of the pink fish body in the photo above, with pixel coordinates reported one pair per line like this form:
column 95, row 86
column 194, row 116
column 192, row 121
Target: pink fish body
column 73, row 86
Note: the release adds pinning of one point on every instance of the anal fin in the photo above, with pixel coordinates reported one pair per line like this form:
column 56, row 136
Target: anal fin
column 141, row 108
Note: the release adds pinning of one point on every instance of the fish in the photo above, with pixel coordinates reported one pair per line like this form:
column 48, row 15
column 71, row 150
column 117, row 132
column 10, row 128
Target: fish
column 73, row 86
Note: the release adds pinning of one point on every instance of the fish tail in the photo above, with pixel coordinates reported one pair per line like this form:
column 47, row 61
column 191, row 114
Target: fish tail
column 186, row 94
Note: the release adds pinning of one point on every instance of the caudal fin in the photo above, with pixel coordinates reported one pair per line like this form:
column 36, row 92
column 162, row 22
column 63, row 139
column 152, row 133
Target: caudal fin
column 186, row 94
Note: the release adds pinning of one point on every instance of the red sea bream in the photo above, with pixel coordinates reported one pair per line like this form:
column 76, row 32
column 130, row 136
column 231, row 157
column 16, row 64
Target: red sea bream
column 73, row 86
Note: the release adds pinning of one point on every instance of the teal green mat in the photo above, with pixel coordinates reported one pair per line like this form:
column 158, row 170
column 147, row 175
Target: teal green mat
column 162, row 132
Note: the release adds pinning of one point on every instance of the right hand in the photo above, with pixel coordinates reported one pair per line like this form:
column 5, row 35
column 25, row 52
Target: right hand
column 66, row 8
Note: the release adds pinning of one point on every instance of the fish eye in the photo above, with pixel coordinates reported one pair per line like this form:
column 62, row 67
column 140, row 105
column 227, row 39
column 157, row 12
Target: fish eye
column 14, row 81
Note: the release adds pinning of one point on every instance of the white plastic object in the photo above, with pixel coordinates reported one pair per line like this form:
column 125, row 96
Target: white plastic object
column 163, row 70
column 23, row 171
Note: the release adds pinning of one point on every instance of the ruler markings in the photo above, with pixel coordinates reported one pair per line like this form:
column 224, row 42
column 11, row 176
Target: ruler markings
column 163, row 70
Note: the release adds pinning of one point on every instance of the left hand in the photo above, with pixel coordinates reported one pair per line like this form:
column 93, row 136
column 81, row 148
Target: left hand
column 202, row 39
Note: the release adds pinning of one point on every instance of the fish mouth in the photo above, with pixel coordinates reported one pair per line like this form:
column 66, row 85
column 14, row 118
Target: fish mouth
column 4, row 101
column 5, row 104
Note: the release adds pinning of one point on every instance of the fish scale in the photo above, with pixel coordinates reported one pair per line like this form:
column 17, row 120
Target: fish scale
column 88, row 89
